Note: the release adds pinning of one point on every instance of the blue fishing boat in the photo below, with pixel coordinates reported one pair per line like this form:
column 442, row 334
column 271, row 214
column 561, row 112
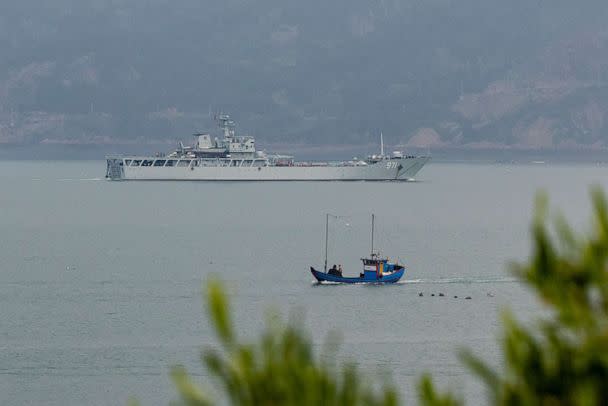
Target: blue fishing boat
column 376, row 269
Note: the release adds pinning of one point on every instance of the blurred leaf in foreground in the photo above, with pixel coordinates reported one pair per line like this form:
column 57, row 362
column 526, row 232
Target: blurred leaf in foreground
column 563, row 358
column 279, row 369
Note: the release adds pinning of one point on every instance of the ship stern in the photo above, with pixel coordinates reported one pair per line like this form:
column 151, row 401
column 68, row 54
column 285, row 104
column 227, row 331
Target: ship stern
column 115, row 168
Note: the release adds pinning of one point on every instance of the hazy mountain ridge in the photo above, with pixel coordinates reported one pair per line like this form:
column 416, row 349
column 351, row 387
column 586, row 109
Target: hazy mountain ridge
column 467, row 73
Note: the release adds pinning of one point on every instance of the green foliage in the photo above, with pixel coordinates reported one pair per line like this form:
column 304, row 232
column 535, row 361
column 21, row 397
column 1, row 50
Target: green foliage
column 429, row 396
column 279, row 369
column 563, row 359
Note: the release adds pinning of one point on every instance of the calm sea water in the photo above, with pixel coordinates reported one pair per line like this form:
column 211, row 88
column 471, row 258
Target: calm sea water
column 100, row 282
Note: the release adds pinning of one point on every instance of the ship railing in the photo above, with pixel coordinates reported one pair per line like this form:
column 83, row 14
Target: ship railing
column 328, row 164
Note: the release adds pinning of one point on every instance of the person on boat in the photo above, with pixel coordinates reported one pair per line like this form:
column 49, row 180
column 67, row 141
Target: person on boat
column 334, row 271
column 340, row 269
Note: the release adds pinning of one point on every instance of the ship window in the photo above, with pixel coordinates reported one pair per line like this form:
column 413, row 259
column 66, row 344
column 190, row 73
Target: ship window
column 135, row 162
column 159, row 162
column 147, row 162
column 127, row 162
column 171, row 162
column 184, row 162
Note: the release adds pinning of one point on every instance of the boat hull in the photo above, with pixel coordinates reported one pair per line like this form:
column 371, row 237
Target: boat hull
column 387, row 278
column 401, row 169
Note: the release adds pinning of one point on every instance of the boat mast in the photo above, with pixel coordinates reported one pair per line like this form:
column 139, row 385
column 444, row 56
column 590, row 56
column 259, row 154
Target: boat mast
column 326, row 233
column 381, row 145
column 372, row 255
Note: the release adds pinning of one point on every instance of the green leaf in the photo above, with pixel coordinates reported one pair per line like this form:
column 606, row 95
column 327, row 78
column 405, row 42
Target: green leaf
column 219, row 312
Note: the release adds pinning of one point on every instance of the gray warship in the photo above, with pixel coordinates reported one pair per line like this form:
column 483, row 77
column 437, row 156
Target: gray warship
column 235, row 158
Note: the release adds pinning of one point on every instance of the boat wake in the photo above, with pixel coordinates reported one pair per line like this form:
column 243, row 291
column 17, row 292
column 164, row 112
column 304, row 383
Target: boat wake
column 459, row 280
column 77, row 179
column 317, row 283
column 441, row 281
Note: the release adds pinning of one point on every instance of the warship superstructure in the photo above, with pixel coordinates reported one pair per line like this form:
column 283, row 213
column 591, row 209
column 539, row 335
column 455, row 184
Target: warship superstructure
column 235, row 158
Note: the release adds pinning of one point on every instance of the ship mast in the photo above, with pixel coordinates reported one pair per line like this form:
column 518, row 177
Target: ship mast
column 381, row 145
column 372, row 254
column 227, row 125
column 326, row 234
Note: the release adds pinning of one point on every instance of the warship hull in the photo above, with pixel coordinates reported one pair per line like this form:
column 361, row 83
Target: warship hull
column 394, row 169
column 232, row 157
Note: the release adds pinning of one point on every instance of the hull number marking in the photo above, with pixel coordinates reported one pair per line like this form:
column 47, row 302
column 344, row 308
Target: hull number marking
column 391, row 165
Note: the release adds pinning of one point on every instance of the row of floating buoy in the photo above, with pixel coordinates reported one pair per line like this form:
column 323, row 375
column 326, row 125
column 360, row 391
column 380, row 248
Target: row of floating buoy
column 442, row 295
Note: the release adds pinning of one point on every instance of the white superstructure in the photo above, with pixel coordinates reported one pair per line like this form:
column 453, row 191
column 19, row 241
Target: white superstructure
column 234, row 158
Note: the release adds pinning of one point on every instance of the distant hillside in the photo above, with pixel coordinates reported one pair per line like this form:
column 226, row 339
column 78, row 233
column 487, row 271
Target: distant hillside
column 467, row 73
